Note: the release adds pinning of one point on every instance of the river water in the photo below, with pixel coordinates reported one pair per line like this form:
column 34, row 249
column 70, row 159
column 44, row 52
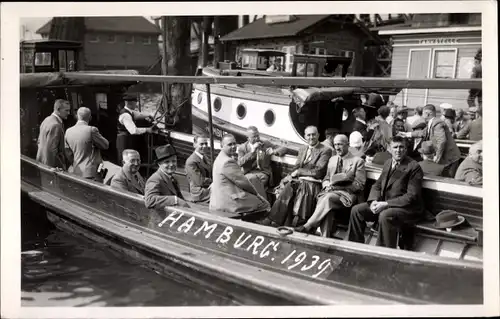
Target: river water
column 59, row 269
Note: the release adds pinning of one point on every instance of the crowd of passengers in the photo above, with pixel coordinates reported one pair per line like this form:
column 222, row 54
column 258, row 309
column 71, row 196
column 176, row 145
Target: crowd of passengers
column 328, row 177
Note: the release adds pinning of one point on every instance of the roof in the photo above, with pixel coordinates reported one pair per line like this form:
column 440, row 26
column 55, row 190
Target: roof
column 113, row 24
column 259, row 29
column 408, row 29
column 44, row 43
column 264, row 51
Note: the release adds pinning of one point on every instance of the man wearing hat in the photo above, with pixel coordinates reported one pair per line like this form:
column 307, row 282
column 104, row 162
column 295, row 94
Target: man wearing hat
column 474, row 129
column 447, row 152
column 342, row 186
column 127, row 132
column 232, row 192
column 460, row 122
column 402, row 113
column 471, row 169
column 428, row 165
column 449, row 119
column 162, row 189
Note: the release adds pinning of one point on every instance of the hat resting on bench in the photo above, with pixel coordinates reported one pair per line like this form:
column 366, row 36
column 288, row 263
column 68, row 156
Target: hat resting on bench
column 448, row 219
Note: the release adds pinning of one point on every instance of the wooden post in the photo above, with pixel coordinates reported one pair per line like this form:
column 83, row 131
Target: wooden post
column 217, row 45
column 165, row 86
column 210, row 127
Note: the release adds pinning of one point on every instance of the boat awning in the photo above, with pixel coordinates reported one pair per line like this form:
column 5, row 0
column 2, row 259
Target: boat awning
column 303, row 96
column 38, row 80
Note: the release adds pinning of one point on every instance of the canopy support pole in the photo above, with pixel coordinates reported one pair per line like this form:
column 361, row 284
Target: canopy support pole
column 210, row 127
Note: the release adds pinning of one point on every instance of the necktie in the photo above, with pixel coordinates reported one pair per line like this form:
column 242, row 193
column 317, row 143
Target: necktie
column 308, row 154
column 395, row 165
column 176, row 186
column 340, row 165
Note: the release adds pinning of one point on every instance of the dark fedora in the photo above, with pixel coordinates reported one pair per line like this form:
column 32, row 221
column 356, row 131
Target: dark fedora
column 401, row 109
column 163, row 152
column 449, row 113
column 130, row 97
column 448, row 219
column 427, row 148
column 374, row 100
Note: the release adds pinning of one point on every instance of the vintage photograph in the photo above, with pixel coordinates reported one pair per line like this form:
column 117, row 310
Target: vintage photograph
column 251, row 160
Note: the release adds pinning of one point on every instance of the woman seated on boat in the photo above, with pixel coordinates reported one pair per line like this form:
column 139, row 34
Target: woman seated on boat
column 471, row 169
column 162, row 189
column 356, row 144
column 297, row 196
column 128, row 177
column 342, row 186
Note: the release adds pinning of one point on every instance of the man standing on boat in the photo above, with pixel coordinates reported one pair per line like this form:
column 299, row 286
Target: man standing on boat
column 128, row 177
column 297, row 199
column 51, row 138
column 127, row 135
column 199, row 171
column 254, row 156
column 447, row 152
column 395, row 199
column 162, row 189
column 343, row 186
column 83, row 146
column 231, row 190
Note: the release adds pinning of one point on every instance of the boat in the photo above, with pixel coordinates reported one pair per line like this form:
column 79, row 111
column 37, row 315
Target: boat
column 247, row 260
column 282, row 112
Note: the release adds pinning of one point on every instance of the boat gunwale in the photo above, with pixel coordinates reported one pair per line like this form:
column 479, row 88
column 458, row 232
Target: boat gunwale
column 311, row 241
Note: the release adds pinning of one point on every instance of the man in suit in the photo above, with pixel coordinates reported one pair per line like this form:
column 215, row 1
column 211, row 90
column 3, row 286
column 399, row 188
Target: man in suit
column 162, row 189
column 83, row 146
column 254, row 156
column 128, row 177
column 395, row 199
column 297, row 199
column 447, row 152
column 231, row 190
column 127, row 132
column 402, row 113
column 51, row 137
column 360, row 122
column 199, row 171
column 330, row 134
column 343, row 185
column 416, row 118
column 474, row 129
column 427, row 164
column 471, row 169
column 460, row 122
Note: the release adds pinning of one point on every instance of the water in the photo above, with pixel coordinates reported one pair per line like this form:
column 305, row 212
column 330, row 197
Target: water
column 59, row 269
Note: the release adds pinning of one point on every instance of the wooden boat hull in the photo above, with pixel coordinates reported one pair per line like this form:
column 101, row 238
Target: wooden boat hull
column 293, row 267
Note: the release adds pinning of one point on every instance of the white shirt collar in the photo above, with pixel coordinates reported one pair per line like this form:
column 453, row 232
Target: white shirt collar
column 362, row 121
column 131, row 111
column 199, row 154
column 58, row 117
column 82, row 122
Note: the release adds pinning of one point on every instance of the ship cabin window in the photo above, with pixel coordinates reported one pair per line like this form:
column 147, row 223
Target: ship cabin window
column 43, row 59
column 307, row 69
column 217, row 104
column 67, row 60
column 241, row 111
column 101, row 100
column 269, row 117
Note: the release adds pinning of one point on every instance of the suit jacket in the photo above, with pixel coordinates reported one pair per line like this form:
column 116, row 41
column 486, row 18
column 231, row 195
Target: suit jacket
column 328, row 144
column 460, row 124
column 361, row 128
column 248, row 160
column 473, row 130
column 83, row 144
column 199, row 174
column 231, row 190
column 51, row 143
column 122, row 181
column 160, row 191
column 446, row 149
column 431, row 168
column 353, row 167
column 402, row 189
column 469, row 171
column 317, row 164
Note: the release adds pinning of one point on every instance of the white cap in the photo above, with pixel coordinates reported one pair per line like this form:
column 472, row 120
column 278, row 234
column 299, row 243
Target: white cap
column 355, row 139
column 446, row 106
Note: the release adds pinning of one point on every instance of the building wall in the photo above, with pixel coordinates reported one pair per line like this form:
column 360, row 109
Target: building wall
column 460, row 48
column 101, row 51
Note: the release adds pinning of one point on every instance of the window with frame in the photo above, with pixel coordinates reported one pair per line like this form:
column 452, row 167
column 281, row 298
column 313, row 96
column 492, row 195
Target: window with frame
column 93, row 38
column 146, row 40
column 444, row 64
column 129, row 39
column 43, row 59
column 111, row 38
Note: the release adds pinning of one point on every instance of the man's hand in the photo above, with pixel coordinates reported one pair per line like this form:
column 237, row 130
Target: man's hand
column 182, row 203
column 378, row 207
column 294, row 173
column 270, row 151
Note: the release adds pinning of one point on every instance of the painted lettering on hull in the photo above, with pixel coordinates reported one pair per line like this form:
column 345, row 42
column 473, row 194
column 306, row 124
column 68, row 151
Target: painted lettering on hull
column 258, row 248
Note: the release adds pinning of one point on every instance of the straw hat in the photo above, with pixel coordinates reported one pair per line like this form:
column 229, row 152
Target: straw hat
column 355, row 139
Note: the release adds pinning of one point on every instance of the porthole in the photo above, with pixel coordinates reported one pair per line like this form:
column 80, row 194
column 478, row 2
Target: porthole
column 200, row 97
column 241, row 111
column 269, row 117
column 217, row 104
